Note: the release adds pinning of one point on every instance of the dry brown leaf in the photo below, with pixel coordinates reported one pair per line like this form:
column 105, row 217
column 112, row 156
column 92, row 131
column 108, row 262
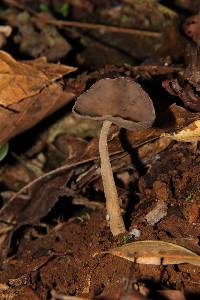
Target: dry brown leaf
column 31, row 110
column 20, row 80
column 29, row 91
column 52, row 71
column 156, row 253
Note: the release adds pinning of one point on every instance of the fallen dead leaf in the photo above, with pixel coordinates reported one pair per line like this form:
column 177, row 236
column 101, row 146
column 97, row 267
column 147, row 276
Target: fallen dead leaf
column 190, row 133
column 20, row 80
column 29, row 91
column 156, row 253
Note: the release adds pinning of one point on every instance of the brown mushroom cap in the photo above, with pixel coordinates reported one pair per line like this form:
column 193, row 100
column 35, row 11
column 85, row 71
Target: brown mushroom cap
column 120, row 100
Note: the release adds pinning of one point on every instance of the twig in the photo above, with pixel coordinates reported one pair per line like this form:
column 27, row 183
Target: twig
column 104, row 28
column 84, row 25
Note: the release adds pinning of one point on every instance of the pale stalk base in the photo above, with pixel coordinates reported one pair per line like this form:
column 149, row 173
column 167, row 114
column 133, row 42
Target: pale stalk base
column 116, row 221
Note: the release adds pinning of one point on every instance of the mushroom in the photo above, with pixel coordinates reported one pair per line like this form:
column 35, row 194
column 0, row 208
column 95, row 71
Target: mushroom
column 123, row 102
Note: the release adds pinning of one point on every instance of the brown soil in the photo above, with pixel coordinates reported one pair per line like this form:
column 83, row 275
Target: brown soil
column 68, row 257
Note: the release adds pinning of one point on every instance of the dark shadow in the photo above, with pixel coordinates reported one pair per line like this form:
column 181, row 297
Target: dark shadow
column 165, row 120
column 193, row 296
column 133, row 152
column 64, row 209
column 174, row 6
column 140, row 168
column 31, row 135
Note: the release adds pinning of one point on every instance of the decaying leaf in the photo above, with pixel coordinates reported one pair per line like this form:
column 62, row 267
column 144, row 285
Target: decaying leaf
column 156, row 253
column 20, row 80
column 29, row 91
column 190, row 133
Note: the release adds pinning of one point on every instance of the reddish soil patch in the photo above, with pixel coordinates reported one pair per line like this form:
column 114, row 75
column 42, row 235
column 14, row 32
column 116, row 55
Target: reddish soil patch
column 68, row 257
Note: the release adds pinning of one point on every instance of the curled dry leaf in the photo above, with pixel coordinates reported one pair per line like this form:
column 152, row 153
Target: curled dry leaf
column 186, row 84
column 156, row 253
column 29, row 91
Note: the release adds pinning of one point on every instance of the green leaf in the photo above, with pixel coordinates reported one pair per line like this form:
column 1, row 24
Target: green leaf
column 127, row 238
column 4, row 151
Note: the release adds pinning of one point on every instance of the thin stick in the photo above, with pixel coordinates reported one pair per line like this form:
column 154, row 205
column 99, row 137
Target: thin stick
column 84, row 25
column 112, row 202
column 103, row 28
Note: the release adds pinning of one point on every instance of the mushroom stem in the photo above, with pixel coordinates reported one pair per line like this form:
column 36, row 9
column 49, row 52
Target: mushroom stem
column 112, row 203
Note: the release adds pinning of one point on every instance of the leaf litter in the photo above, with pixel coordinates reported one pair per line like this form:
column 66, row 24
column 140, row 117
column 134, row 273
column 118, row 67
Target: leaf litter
column 25, row 88
column 51, row 228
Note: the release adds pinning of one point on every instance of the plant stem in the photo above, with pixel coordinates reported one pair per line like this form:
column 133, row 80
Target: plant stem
column 112, row 203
